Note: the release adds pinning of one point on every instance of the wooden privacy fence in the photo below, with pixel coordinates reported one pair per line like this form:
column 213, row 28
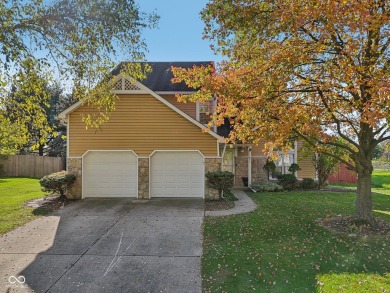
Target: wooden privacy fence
column 343, row 175
column 31, row 166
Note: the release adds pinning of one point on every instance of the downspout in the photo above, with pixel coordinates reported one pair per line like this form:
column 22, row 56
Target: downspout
column 249, row 166
column 296, row 154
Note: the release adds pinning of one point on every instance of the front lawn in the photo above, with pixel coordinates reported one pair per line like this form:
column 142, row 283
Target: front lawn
column 280, row 248
column 13, row 193
column 381, row 180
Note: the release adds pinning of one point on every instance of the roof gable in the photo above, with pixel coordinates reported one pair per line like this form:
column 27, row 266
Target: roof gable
column 159, row 79
column 137, row 87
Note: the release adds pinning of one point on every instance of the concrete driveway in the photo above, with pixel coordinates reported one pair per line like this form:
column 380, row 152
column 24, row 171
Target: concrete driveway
column 107, row 245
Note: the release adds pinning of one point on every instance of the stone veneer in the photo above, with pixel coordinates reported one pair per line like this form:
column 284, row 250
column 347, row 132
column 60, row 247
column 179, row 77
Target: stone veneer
column 212, row 165
column 242, row 169
column 143, row 178
column 75, row 166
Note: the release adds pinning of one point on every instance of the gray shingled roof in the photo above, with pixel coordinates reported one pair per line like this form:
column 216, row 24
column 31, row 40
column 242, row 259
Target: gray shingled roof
column 159, row 80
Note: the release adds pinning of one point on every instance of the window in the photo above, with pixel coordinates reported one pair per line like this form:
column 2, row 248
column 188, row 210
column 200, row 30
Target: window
column 205, row 110
column 283, row 162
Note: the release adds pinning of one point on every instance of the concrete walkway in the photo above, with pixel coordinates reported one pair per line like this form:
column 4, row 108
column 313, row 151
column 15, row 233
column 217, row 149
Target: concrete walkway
column 244, row 204
column 114, row 245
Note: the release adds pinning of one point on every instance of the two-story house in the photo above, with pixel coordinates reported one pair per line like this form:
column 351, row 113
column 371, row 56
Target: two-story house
column 154, row 146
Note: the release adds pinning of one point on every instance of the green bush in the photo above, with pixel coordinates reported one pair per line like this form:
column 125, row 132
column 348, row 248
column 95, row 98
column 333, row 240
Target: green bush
column 57, row 182
column 288, row 181
column 229, row 196
column 269, row 167
column 266, row 186
column 221, row 181
column 309, row 183
column 294, row 168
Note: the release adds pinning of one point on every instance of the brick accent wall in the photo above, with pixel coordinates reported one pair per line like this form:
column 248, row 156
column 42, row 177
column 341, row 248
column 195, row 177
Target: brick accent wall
column 241, row 170
column 258, row 173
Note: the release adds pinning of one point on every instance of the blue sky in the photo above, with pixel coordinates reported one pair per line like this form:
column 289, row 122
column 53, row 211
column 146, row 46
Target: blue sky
column 179, row 33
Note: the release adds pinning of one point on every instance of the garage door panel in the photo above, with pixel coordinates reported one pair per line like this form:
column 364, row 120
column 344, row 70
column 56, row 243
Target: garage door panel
column 110, row 174
column 177, row 174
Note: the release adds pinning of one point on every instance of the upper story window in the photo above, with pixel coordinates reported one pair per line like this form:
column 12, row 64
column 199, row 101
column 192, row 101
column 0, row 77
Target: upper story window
column 205, row 110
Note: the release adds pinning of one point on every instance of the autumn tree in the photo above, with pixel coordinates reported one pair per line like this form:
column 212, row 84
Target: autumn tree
column 27, row 104
column 83, row 40
column 33, row 103
column 316, row 71
column 11, row 135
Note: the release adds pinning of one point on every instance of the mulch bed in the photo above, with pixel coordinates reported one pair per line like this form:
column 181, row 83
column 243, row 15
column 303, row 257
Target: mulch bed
column 48, row 203
column 218, row 205
column 337, row 189
column 351, row 227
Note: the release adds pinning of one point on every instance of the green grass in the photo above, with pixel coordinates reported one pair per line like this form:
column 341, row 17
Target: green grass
column 13, row 193
column 380, row 182
column 381, row 179
column 280, row 248
column 229, row 195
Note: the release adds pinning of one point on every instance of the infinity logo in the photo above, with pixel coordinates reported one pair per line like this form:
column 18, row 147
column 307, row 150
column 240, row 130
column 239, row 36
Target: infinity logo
column 20, row 279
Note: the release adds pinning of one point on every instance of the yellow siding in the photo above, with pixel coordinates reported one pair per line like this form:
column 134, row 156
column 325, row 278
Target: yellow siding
column 188, row 108
column 257, row 150
column 305, row 163
column 140, row 123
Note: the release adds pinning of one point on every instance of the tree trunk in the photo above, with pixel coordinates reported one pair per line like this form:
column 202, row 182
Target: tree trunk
column 40, row 150
column 363, row 204
column 364, row 168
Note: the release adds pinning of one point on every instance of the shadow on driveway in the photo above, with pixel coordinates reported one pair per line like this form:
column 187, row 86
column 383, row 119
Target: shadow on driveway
column 107, row 245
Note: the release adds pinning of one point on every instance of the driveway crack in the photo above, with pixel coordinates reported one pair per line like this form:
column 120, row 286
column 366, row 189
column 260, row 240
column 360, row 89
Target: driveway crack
column 85, row 252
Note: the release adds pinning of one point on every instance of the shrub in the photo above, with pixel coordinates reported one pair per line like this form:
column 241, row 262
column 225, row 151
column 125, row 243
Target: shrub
column 57, row 182
column 288, row 181
column 309, row 183
column 228, row 195
column 220, row 180
column 294, row 168
column 269, row 167
column 266, row 186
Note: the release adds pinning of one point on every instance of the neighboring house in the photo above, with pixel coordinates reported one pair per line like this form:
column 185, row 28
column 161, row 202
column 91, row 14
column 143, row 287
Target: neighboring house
column 154, row 146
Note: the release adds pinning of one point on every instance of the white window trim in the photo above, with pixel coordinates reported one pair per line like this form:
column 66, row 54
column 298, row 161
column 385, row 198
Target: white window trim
column 282, row 154
column 214, row 106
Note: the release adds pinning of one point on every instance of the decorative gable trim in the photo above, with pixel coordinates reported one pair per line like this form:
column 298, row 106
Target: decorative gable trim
column 124, row 85
column 121, row 85
column 136, row 87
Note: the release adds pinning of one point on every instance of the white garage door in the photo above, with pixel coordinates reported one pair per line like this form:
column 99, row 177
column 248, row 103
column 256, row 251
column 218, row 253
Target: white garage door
column 110, row 174
column 176, row 174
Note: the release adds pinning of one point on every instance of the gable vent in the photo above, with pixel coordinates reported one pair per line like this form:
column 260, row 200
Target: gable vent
column 124, row 84
column 118, row 85
column 129, row 86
